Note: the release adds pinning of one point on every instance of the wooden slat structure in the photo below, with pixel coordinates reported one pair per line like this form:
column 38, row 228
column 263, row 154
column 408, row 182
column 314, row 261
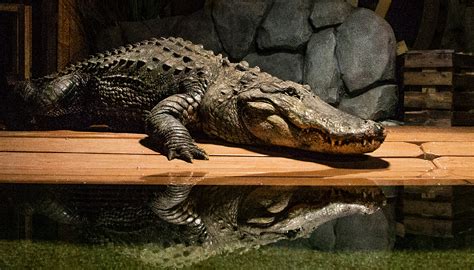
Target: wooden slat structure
column 410, row 156
column 463, row 95
column 428, row 81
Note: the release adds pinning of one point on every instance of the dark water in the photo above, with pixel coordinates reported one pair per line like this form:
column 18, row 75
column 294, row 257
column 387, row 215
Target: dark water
column 396, row 236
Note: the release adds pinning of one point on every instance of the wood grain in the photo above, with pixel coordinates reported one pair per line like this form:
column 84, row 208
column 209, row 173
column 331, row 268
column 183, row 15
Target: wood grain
column 69, row 157
column 465, row 149
column 428, row 78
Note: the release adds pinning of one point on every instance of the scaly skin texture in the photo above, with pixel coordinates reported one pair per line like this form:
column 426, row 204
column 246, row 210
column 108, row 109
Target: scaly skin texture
column 255, row 215
column 164, row 86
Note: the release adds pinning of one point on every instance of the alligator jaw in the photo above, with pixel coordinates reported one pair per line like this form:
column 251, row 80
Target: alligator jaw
column 307, row 209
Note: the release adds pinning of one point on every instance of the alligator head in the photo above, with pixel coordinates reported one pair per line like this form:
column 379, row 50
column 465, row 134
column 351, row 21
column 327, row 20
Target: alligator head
column 262, row 215
column 262, row 109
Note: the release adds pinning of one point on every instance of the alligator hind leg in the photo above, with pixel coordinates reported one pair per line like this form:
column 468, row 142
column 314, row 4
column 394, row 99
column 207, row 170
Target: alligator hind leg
column 53, row 101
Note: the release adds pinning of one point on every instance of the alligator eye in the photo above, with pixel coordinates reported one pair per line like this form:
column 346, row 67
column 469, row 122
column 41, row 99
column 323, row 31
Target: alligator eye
column 291, row 91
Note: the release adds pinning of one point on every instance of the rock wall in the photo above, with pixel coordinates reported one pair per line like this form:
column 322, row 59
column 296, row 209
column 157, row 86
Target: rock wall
column 346, row 54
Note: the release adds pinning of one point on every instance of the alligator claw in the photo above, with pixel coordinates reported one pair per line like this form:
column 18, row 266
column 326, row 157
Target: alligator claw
column 187, row 153
column 171, row 154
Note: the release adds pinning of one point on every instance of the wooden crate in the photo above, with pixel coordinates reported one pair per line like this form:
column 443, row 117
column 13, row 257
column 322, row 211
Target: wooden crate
column 463, row 94
column 428, row 85
column 438, row 211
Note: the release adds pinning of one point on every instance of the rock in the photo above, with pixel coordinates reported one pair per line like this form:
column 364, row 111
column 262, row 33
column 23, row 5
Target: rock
column 286, row 25
column 376, row 104
column 365, row 50
column 199, row 28
column 286, row 66
column 165, row 27
column 329, row 12
column 320, row 67
column 109, row 38
column 363, row 232
column 324, row 238
column 236, row 23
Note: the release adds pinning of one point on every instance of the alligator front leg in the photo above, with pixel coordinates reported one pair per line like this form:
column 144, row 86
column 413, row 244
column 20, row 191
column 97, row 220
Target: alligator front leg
column 173, row 206
column 167, row 120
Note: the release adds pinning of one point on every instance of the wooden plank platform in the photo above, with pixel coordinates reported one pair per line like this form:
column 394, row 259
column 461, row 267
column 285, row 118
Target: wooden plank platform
column 410, row 156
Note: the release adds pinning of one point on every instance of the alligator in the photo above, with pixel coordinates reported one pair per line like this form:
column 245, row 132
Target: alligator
column 165, row 86
column 252, row 215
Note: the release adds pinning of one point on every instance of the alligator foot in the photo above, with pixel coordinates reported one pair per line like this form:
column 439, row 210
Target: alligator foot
column 172, row 205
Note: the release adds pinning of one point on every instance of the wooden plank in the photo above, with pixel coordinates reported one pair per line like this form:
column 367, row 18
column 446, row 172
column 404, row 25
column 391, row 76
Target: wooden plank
column 463, row 149
column 439, row 193
column 463, row 101
column 416, row 134
column 28, row 39
column 133, row 146
column 402, row 48
column 428, row 100
column 454, row 167
column 429, row 59
column 428, row 78
column 70, row 134
column 429, row 227
column 103, row 146
column 428, row 208
column 382, row 7
column 437, row 118
column 152, row 169
column 455, row 163
column 9, row 7
column 409, row 134
column 463, row 118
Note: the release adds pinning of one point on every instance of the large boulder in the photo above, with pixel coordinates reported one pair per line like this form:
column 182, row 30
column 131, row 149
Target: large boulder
column 286, row 25
column 286, row 66
column 329, row 12
column 236, row 23
column 357, row 232
column 365, row 50
column 199, row 28
column 320, row 67
column 376, row 104
column 363, row 232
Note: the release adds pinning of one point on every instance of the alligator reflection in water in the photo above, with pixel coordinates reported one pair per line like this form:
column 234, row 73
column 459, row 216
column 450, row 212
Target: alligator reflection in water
column 199, row 215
